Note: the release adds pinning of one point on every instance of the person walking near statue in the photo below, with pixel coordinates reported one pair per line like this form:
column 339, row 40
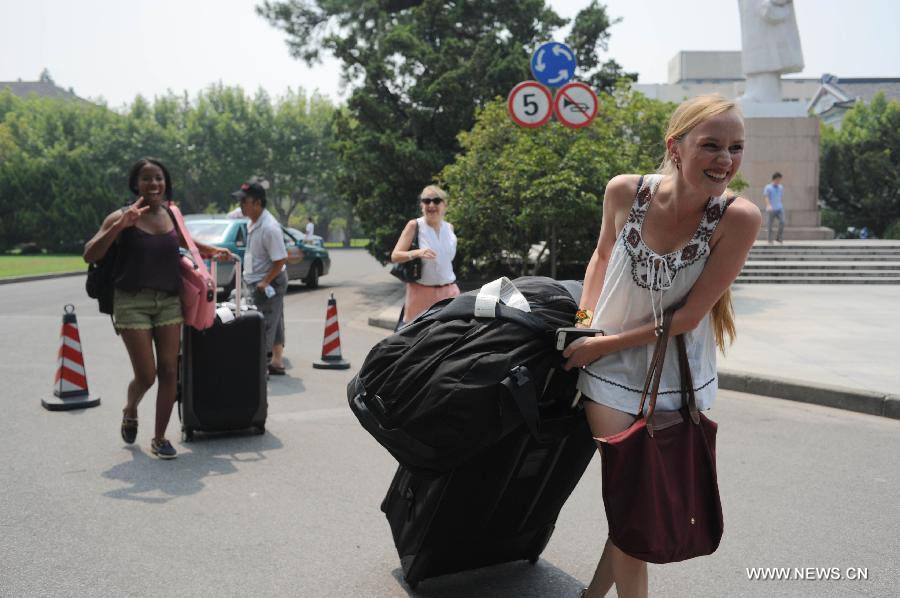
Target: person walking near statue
column 773, row 195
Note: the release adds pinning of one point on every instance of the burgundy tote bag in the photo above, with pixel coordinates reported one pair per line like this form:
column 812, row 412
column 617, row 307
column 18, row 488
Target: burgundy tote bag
column 660, row 488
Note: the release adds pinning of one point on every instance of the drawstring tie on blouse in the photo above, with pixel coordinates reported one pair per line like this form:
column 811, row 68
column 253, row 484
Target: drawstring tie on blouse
column 659, row 280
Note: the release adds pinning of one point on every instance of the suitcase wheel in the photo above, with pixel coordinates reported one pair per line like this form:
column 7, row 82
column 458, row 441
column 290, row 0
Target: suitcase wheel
column 187, row 434
column 260, row 429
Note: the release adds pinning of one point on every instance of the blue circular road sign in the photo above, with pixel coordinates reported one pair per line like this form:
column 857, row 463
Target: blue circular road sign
column 553, row 64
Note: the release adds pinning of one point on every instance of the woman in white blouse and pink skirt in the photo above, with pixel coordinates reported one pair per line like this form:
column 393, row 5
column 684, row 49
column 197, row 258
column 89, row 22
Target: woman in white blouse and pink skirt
column 437, row 248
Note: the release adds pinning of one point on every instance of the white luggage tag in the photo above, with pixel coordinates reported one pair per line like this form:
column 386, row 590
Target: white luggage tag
column 228, row 311
column 502, row 291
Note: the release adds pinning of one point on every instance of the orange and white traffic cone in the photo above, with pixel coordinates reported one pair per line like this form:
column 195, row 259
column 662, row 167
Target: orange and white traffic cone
column 70, row 386
column 331, row 344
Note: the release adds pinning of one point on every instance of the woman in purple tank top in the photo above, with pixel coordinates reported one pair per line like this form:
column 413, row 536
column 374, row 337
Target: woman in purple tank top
column 147, row 307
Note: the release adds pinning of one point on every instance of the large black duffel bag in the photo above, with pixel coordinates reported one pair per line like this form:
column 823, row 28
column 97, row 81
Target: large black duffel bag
column 466, row 373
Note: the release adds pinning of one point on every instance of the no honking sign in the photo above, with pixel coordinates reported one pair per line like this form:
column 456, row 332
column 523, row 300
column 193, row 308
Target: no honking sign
column 576, row 105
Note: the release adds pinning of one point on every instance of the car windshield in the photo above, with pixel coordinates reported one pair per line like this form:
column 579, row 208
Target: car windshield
column 208, row 232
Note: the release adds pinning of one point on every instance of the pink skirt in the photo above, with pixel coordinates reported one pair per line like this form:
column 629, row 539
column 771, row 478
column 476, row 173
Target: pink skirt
column 420, row 297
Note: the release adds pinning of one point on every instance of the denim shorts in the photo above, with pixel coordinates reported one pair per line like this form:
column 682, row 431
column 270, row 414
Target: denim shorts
column 145, row 309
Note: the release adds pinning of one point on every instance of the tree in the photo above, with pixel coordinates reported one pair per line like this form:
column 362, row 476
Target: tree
column 52, row 189
column 420, row 69
column 859, row 177
column 515, row 187
column 63, row 164
column 589, row 35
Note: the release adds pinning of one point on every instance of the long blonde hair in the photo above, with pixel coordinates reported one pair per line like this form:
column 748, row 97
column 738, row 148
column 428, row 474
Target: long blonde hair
column 688, row 115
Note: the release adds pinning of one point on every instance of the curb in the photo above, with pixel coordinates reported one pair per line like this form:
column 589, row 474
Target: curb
column 383, row 322
column 826, row 395
column 387, row 318
column 29, row 278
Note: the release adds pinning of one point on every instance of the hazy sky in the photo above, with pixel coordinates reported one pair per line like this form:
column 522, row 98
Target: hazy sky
column 116, row 49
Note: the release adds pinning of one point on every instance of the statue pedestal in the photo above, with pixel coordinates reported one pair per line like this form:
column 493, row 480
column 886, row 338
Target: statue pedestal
column 789, row 145
column 772, row 109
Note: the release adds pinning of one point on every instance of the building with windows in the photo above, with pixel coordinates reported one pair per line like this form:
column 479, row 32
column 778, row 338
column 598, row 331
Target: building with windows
column 837, row 95
column 696, row 73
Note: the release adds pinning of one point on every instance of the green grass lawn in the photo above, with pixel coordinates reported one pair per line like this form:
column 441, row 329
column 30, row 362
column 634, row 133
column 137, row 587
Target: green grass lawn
column 26, row 265
column 353, row 243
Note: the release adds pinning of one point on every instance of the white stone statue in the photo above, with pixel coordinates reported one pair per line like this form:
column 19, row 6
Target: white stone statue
column 770, row 46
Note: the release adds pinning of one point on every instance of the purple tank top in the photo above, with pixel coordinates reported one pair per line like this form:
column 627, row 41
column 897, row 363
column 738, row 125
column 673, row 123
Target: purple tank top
column 149, row 261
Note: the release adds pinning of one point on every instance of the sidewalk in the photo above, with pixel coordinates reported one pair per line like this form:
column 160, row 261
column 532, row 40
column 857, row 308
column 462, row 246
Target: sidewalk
column 832, row 345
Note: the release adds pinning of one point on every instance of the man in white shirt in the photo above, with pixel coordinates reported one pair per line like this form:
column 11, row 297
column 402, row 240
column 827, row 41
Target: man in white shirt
column 310, row 228
column 264, row 271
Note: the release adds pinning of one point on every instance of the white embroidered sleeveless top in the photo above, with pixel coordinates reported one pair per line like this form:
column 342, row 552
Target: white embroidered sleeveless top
column 437, row 271
column 639, row 286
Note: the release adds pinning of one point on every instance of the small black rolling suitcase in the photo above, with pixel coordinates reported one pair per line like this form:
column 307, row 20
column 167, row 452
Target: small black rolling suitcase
column 500, row 506
column 222, row 375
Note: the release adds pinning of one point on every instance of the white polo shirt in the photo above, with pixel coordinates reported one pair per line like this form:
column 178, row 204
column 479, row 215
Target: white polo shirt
column 265, row 246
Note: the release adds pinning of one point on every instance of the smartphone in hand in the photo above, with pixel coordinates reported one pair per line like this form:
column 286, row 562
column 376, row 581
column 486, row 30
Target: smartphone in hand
column 564, row 336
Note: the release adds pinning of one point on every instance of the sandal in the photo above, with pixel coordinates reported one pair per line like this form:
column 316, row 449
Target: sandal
column 129, row 429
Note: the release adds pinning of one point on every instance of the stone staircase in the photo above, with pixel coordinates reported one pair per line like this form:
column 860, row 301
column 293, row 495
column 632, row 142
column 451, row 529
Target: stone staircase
column 823, row 262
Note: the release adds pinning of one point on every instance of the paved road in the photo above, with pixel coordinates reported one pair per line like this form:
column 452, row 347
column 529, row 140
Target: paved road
column 295, row 512
column 844, row 335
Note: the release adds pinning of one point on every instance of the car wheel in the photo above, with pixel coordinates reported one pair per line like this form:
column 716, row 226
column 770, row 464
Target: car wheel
column 312, row 279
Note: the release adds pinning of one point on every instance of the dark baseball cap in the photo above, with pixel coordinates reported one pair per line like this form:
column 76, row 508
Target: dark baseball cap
column 254, row 190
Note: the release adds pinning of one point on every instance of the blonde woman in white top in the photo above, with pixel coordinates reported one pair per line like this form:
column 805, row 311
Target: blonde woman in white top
column 437, row 248
column 667, row 237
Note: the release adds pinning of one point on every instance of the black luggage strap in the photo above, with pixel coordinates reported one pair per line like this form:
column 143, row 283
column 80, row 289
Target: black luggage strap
column 521, row 389
column 369, row 410
column 573, row 287
column 463, row 307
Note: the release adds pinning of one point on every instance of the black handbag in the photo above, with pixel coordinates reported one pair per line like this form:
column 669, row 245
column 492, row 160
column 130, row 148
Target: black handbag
column 410, row 271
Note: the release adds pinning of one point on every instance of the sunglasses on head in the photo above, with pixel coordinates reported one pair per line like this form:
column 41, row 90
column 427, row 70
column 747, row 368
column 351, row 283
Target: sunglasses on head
column 435, row 200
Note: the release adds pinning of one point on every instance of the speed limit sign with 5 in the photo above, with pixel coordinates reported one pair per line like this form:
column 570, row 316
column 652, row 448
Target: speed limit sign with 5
column 530, row 104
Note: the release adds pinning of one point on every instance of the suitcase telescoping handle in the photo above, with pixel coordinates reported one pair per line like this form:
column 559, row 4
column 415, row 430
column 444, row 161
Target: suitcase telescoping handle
column 238, row 284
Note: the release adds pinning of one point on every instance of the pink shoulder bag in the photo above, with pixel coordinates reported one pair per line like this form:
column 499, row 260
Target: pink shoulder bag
column 198, row 285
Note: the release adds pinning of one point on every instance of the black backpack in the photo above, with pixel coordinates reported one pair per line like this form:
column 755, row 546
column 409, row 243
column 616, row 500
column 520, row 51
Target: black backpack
column 101, row 277
column 451, row 384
